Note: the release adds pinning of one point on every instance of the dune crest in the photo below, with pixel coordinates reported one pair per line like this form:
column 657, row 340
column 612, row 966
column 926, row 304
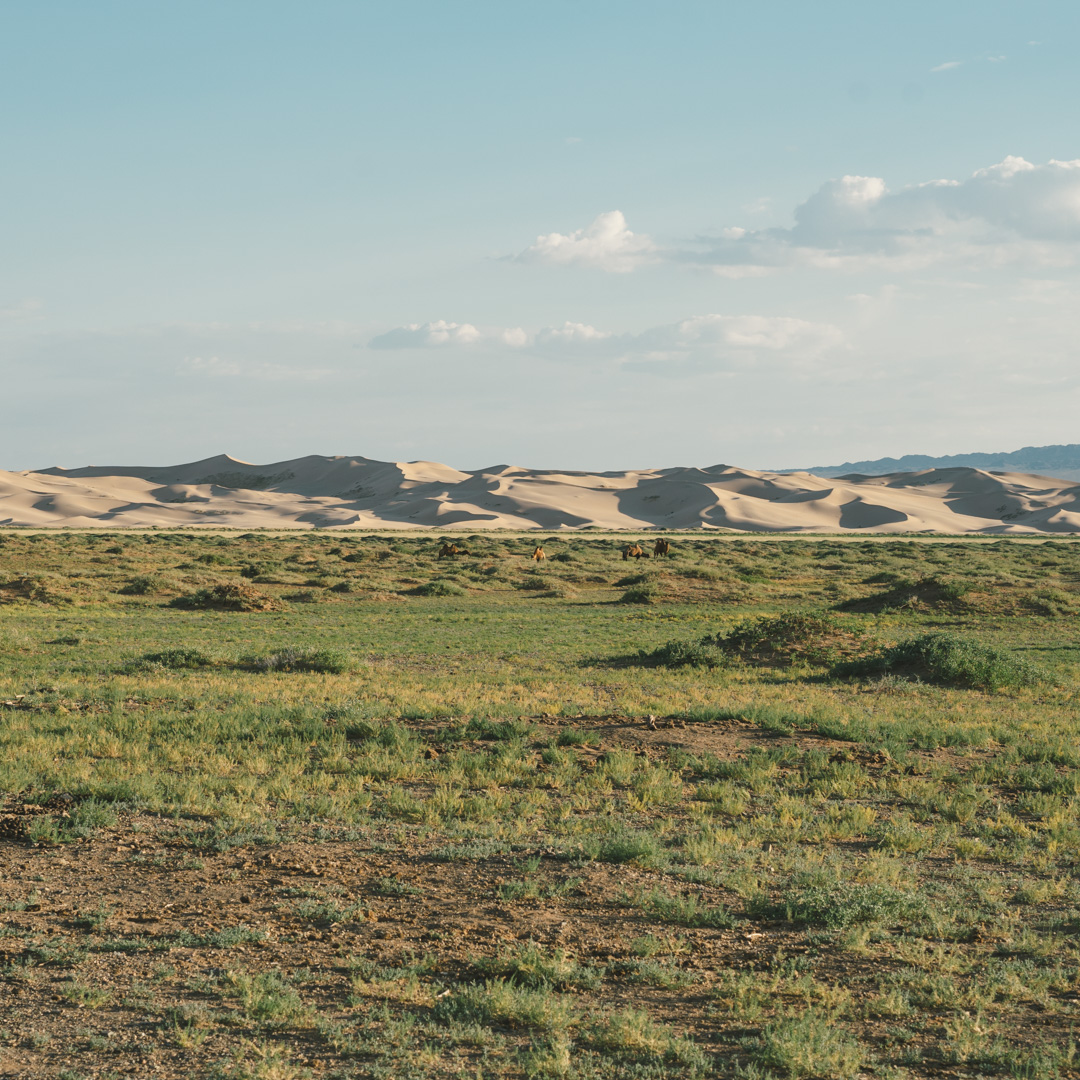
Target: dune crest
column 362, row 493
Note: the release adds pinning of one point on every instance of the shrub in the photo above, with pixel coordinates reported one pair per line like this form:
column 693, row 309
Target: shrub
column 534, row 584
column 343, row 587
column 228, row 597
column 173, row 659
column 687, row 910
column 640, row 594
column 634, row 1032
column 528, row 965
column 259, row 570
column 320, row 661
column 501, row 1002
column 813, row 637
column 144, row 585
column 683, row 654
column 438, row 587
column 950, row 660
column 810, row 1045
column 846, row 904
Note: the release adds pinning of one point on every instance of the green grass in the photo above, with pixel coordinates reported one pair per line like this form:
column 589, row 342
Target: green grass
column 845, row 843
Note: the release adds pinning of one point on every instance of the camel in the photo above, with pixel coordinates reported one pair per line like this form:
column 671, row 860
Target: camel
column 450, row 550
column 634, row 551
column 539, row 555
column 661, row 547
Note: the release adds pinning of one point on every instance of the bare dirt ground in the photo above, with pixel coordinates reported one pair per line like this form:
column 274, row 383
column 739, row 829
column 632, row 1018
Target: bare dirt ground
column 126, row 953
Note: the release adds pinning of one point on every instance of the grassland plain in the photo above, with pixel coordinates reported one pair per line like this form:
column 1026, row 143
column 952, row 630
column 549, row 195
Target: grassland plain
column 326, row 805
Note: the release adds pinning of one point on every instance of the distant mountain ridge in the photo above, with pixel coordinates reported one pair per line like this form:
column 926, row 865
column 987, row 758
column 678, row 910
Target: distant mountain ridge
column 1060, row 460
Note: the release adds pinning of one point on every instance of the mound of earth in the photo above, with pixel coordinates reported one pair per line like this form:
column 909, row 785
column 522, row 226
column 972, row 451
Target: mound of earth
column 918, row 594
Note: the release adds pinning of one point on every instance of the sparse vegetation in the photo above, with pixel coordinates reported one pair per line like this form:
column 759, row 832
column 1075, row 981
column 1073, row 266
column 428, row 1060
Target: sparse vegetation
column 788, row 831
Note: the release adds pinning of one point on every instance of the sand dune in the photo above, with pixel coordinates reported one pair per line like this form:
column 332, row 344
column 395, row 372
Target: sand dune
column 360, row 493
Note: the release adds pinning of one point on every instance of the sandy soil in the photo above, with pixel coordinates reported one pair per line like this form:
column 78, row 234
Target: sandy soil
column 357, row 492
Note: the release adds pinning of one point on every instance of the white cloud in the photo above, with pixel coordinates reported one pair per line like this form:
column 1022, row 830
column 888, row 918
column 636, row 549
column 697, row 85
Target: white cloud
column 1014, row 211
column 701, row 340
column 439, row 334
column 1011, row 211
column 606, row 244
column 570, row 333
column 947, row 66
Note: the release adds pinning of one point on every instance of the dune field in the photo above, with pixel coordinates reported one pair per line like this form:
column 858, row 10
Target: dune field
column 358, row 492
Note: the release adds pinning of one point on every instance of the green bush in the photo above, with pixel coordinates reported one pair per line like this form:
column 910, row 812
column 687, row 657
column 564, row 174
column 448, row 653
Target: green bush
column 846, row 904
column 683, row 654
column 438, row 587
column 144, row 585
column 228, row 597
column 810, row 1045
column 950, row 660
column 173, row 659
column 640, row 594
column 320, row 661
column 810, row 636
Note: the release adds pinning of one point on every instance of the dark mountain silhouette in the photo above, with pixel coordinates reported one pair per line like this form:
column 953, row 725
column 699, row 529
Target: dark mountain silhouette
column 1062, row 460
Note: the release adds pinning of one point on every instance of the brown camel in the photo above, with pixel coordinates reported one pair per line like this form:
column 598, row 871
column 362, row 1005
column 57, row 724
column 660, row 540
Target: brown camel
column 634, row 551
column 661, row 547
column 539, row 555
column 448, row 551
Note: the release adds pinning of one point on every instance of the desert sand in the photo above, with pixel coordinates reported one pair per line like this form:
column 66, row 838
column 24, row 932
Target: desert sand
column 360, row 493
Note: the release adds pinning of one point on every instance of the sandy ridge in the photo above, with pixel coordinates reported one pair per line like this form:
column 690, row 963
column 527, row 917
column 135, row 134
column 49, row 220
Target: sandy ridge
column 361, row 493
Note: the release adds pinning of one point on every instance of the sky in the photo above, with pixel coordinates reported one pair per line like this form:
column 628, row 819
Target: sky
column 581, row 235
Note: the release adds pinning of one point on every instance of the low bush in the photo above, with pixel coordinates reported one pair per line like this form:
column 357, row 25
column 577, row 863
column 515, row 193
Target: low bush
column 528, row 965
column 319, row 661
column 438, row 587
column 949, row 660
column 675, row 654
column 640, row 594
column 808, row 636
column 810, row 1045
column 837, row 906
column 172, row 659
column 228, row 597
column 144, row 585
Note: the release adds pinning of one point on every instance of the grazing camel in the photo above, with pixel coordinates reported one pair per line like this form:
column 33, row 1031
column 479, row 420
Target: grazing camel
column 661, row 547
column 539, row 555
column 448, row 551
column 634, row 551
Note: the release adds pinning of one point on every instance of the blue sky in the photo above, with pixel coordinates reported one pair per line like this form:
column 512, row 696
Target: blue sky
column 592, row 235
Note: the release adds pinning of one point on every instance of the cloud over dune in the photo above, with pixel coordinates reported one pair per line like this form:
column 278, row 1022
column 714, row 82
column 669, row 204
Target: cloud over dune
column 704, row 338
column 1011, row 211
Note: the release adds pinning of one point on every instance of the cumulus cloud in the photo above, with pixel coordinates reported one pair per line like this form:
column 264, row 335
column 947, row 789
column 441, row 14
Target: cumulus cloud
column 433, row 335
column 1010, row 211
column 606, row 244
column 1013, row 211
